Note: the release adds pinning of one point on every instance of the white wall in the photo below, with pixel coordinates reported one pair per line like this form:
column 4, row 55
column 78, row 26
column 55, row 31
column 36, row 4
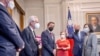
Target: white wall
column 52, row 10
column 35, row 7
column 80, row 8
column 47, row 10
column 56, row 11
column 21, row 3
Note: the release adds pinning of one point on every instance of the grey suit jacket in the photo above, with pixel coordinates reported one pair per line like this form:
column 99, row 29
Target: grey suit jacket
column 90, row 48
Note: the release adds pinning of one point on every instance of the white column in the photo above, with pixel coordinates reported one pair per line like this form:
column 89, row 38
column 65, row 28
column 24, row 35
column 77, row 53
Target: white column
column 52, row 11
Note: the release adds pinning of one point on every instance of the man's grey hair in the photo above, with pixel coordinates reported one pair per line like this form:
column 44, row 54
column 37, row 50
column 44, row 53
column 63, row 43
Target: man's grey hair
column 32, row 18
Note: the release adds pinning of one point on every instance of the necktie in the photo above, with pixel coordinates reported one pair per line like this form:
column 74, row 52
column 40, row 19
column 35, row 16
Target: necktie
column 34, row 34
column 34, row 38
column 51, row 35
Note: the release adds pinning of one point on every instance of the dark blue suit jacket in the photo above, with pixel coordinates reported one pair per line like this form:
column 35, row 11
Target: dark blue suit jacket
column 31, row 45
column 78, row 43
column 48, row 44
column 10, row 35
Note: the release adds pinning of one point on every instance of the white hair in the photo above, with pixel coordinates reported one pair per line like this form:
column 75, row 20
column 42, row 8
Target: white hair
column 32, row 18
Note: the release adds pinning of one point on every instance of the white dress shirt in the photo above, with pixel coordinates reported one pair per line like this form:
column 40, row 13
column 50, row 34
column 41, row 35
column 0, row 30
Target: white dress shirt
column 79, row 35
column 2, row 3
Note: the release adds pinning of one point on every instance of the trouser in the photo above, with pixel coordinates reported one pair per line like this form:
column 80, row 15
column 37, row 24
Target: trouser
column 8, row 51
column 79, row 53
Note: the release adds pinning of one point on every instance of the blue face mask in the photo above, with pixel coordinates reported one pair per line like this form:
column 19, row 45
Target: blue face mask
column 86, row 30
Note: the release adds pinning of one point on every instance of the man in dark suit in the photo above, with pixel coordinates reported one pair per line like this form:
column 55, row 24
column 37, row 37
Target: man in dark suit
column 94, row 23
column 31, row 44
column 78, row 37
column 48, row 41
column 10, row 36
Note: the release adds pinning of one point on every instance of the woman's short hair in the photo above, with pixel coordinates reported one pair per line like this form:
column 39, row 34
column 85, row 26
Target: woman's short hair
column 90, row 27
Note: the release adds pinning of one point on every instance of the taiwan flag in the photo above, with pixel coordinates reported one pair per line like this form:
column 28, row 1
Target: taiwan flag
column 69, row 24
column 70, row 32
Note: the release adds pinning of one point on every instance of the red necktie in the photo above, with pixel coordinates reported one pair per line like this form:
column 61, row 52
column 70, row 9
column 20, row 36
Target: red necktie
column 51, row 35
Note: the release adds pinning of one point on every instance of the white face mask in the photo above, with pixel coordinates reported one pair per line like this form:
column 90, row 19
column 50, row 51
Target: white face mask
column 86, row 30
column 11, row 4
column 37, row 26
column 62, row 36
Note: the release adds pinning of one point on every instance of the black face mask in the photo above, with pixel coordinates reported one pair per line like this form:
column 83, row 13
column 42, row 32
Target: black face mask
column 50, row 28
column 76, row 31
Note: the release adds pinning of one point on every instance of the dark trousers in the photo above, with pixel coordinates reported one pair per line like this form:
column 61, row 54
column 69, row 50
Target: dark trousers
column 79, row 53
column 36, row 53
column 8, row 51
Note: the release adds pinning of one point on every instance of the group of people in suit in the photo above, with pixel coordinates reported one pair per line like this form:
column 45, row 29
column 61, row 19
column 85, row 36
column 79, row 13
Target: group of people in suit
column 12, row 40
column 32, row 45
column 83, row 43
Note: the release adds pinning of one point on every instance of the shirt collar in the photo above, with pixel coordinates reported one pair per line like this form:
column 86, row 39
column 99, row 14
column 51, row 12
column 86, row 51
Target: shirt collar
column 2, row 3
column 31, row 28
column 79, row 32
column 49, row 31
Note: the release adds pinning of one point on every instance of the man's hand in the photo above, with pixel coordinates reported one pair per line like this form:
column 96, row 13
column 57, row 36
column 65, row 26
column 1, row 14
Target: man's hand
column 54, row 52
column 64, row 48
column 19, row 49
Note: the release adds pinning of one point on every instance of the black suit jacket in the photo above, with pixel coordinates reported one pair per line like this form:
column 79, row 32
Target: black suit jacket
column 10, row 35
column 31, row 45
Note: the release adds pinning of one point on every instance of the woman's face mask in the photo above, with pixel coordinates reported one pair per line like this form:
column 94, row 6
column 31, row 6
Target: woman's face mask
column 86, row 30
column 62, row 36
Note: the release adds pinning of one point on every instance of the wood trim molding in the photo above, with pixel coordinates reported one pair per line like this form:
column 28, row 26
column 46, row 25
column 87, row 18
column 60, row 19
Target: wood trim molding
column 19, row 7
column 21, row 21
column 9, row 11
column 21, row 13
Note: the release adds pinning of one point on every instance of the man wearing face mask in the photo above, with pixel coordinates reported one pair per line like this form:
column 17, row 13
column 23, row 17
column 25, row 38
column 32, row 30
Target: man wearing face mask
column 48, row 41
column 78, row 37
column 10, row 35
column 29, row 36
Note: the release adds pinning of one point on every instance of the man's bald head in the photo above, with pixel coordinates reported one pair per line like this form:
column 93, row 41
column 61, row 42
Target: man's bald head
column 76, row 26
column 33, row 19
